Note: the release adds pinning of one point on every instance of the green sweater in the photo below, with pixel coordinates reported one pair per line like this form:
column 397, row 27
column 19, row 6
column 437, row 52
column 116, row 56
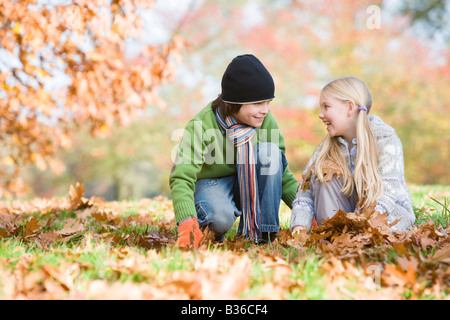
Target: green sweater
column 205, row 152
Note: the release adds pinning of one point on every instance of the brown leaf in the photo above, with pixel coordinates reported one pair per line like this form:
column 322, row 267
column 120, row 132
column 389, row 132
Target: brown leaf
column 306, row 180
column 32, row 226
column 191, row 286
column 104, row 216
column 72, row 226
column 59, row 275
column 76, row 199
column 397, row 276
column 208, row 237
column 405, row 263
column 441, row 256
column 48, row 238
column 153, row 239
column 329, row 170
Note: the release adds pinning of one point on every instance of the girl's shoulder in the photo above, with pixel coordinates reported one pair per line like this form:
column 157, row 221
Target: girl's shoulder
column 380, row 129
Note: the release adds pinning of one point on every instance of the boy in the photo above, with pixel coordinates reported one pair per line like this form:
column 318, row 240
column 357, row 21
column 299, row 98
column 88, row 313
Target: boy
column 231, row 161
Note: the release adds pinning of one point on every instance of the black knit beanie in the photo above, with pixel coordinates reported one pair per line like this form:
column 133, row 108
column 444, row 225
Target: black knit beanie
column 246, row 80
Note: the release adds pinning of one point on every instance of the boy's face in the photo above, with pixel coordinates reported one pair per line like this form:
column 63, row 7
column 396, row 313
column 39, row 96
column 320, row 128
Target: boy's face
column 252, row 114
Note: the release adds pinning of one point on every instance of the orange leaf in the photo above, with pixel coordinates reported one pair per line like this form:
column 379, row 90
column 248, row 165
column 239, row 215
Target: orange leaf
column 72, row 226
column 77, row 201
column 329, row 170
column 31, row 226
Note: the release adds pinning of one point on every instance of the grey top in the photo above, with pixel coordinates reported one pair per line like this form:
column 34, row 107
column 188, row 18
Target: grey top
column 395, row 200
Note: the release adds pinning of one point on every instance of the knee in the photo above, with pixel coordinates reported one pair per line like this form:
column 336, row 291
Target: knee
column 222, row 222
column 218, row 216
column 329, row 198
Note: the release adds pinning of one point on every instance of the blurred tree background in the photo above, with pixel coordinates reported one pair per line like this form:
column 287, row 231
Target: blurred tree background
column 399, row 48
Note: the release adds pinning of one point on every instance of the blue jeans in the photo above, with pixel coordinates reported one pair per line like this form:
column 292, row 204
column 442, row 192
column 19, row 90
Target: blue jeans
column 217, row 200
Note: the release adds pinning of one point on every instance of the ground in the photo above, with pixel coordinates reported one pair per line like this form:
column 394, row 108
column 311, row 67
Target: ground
column 78, row 248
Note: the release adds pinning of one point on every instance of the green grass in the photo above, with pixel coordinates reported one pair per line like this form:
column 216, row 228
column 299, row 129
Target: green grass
column 431, row 202
column 301, row 274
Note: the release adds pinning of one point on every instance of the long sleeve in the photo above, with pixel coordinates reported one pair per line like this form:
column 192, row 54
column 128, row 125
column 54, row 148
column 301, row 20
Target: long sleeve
column 395, row 200
column 303, row 205
column 184, row 173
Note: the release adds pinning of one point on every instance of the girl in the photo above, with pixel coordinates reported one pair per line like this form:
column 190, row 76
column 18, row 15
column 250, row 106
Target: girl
column 230, row 161
column 359, row 163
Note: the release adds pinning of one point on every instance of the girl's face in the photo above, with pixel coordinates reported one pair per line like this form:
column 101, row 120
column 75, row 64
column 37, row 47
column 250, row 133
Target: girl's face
column 252, row 114
column 339, row 117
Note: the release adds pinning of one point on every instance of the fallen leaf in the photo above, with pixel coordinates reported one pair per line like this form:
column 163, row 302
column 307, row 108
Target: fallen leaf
column 72, row 226
column 32, row 226
column 76, row 198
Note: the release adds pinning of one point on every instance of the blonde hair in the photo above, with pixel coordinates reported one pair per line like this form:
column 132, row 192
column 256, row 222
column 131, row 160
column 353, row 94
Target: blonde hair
column 367, row 178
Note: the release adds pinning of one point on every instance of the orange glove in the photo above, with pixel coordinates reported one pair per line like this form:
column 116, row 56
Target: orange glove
column 189, row 233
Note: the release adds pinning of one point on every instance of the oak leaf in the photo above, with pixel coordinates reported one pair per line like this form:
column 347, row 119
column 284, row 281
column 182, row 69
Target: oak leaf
column 32, row 226
column 329, row 170
column 71, row 227
column 76, row 198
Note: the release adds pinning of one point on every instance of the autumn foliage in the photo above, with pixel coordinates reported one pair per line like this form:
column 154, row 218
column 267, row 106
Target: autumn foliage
column 67, row 67
column 139, row 259
column 65, row 70
column 306, row 44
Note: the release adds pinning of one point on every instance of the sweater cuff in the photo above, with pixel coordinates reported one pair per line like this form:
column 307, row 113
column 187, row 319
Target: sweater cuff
column 184, row 210
column 301, row 216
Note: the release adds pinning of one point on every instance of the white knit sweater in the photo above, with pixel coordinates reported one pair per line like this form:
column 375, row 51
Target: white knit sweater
column 395, row 200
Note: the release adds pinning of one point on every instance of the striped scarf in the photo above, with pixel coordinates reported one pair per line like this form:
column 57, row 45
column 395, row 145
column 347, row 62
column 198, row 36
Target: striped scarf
column 241, row 136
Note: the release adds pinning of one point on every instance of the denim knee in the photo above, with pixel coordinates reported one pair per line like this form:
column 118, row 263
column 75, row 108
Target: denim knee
column 218, row 216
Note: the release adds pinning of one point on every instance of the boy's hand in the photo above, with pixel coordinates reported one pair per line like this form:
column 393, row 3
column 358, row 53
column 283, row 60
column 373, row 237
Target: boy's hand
column 189, row 233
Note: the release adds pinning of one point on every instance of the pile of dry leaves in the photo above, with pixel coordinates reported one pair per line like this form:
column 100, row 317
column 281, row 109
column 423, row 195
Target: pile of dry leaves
column 355, row 250
column 19, row 220
column 349, row 239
